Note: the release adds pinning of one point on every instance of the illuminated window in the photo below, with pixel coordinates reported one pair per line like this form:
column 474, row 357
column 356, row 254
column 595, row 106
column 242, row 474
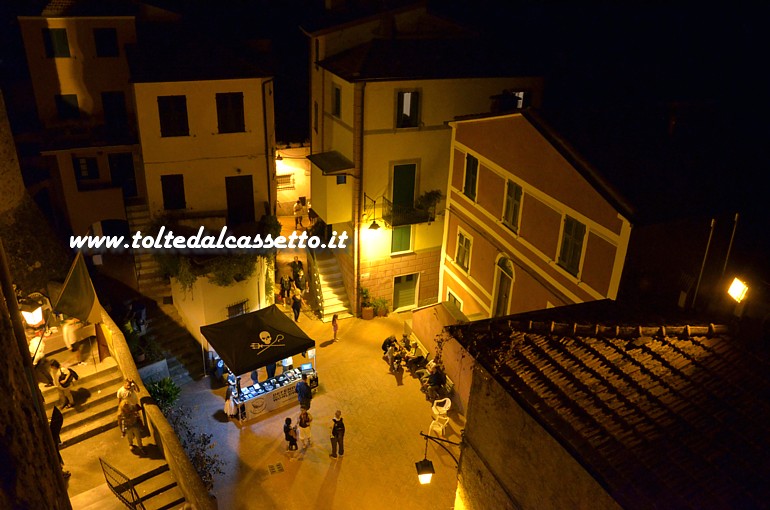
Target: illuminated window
column 337, row 101
column 67, row 106
column 463, row 255
column 471, row 176
column 172, row 111
column 408, row 109
column 571, row 245
column 106, row 42
column 56, row 43
column 230, row 112
column 512, row 206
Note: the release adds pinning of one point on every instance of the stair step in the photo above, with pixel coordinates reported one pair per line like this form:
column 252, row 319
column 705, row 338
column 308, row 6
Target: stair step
column 97, row 387
column 158, row 489
column 335, row 309
column 89, row 428
column 335, row 301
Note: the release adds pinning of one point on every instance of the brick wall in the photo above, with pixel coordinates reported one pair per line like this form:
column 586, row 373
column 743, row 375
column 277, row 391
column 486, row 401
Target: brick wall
column 382, row 271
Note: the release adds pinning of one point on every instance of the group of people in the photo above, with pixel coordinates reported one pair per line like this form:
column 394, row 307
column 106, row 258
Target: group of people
column 397, row 353
column 301, row 432
column 431, row 375
column 294, row 287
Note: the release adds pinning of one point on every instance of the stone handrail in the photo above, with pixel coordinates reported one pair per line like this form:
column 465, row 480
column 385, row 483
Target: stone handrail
column 315, row 281
column 188, row 481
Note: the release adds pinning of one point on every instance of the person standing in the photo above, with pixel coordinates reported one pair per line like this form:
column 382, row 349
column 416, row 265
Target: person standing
column 37, row 352
column 63, row 378
column 335, row 326
column 296, row 266
column 305, row 434
column 304, row 393
column 338, row 434
column 129, row 392
column 290, row 434
column 130, row 424
column 270, row 369
column 285, row 290
column 296, row 304
column 298, row 214
column 301, row 282
column 55, row 424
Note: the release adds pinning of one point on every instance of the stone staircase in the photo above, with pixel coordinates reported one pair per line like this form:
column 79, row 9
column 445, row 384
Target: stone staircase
column 96, row 402
column 182, row 351
column 334, row 294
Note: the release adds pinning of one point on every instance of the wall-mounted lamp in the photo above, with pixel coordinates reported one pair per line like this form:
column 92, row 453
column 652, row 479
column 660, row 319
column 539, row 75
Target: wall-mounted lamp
column 374, row 225
column 32, row 309
column 424, row 467
column 370, row 205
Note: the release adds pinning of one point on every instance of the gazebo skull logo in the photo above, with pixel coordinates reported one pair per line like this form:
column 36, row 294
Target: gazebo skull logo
column 266, row 341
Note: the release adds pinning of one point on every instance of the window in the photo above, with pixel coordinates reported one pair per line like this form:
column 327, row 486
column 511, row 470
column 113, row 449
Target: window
column 512, row 206
column 172, row 187
column 463, row 256
column 471, row 175
column 285, row 181
column 315, row 116
column 86, row 169
column 173, row 116
column 106, row 42
column 55, row 42
column 408, row 109
column 342, row 179
column 115, row 116
column 238, row 309
column 230, row 112
column 67, row 106
column 451, row 298
column 571, row 245
column 337, row 101
column 401, row 240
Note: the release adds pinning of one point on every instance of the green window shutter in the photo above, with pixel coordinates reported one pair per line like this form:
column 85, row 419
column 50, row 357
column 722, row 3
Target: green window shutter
column 401, row 239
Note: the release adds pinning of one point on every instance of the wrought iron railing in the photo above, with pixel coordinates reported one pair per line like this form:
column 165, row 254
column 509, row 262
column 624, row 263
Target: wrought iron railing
column 396, row 215
column 121, row 486
column 315, row 281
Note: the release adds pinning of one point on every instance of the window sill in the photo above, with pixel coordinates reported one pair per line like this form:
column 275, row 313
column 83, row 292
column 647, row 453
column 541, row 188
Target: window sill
column 402, row 253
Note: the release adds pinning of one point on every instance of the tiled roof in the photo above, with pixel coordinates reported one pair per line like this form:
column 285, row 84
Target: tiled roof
column 56, row 8
column 414, row 59
column 340, row 18
column 673, row 417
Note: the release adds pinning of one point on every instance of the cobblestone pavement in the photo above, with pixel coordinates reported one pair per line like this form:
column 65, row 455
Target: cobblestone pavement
column 383, row 412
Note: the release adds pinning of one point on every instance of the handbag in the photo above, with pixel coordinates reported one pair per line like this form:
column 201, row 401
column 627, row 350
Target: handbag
column 65, row 379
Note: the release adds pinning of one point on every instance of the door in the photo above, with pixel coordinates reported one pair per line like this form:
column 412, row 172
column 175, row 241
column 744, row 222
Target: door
column 240, row 200
column 403, row 184
column 172, row 187
column 122, row 173
column 504, row 284
column 404, row 291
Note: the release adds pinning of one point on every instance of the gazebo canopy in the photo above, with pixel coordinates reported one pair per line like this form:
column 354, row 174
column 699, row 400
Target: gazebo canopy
column 256, row 339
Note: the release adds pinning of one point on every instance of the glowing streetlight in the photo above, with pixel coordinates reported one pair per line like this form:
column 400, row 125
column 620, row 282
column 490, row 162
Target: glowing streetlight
column 738, row 290
column 424, row 467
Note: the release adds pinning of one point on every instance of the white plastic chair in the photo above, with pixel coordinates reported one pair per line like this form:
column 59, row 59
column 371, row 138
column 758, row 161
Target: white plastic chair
column 441, row 407
column 439, row 425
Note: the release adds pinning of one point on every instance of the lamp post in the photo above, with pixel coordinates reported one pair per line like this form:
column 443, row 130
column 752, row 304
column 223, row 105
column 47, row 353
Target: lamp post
column 424, row 467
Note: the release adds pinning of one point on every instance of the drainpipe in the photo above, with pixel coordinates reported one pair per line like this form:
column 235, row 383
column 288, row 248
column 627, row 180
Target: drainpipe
column 359, row 164
column 269, row 162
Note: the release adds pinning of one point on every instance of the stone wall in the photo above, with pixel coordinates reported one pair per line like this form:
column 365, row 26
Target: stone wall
column 513, row 455
column 382, row 271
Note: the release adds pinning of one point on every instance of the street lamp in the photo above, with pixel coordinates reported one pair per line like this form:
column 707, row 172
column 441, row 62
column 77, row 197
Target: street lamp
column 424, row 467
column 32, row 309
column 738, row 290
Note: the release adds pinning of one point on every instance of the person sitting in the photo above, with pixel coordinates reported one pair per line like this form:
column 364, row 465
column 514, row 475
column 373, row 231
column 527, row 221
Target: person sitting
column 423, row 373
column 435, row 381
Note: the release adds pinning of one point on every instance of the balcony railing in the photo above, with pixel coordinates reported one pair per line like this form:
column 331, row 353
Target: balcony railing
column 396, row 215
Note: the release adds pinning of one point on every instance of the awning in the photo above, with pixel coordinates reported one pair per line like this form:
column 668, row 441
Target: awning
column 253, row 340
column 331, row 163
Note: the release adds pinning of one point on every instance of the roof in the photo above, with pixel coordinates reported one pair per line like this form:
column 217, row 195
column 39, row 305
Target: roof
column 331, row 162
column 663, row 417
column 337, row 19
column 67, row 8
column 243, row 344
column 415, row 59
column 170, row 53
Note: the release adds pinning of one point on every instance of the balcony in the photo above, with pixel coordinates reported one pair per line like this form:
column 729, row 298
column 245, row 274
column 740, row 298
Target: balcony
column 396, row 215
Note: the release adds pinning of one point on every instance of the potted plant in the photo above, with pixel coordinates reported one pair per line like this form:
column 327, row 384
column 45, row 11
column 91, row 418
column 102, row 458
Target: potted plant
column 428, row 202
column 380, row 307
column 367, row 310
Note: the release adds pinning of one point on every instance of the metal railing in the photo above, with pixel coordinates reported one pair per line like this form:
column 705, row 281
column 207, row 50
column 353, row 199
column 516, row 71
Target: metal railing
column 315, row 281
column 121, row 486
column 396, row 215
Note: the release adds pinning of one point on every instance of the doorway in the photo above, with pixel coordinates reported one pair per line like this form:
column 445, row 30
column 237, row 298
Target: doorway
column 172, row 187
column 405, row 291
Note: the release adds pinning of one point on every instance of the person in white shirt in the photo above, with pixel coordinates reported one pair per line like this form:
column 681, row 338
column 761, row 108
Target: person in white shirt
column 129, row 392
column 37, row 353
